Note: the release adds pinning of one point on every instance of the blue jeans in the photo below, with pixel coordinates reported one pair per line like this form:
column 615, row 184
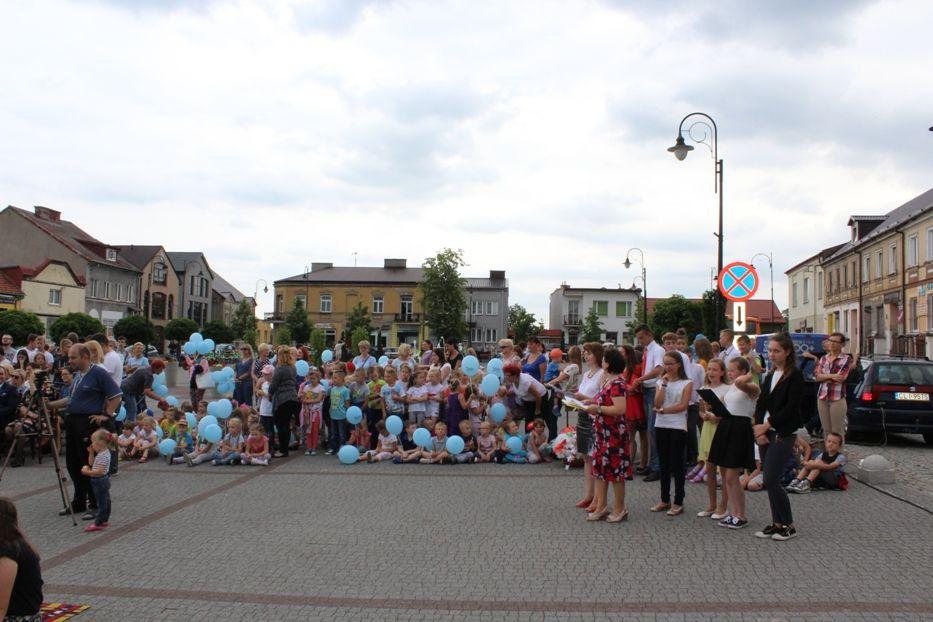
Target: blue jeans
column 225, row 458
column 131, row 402
column 338, row 433
column 653, row 464
column 100, row 486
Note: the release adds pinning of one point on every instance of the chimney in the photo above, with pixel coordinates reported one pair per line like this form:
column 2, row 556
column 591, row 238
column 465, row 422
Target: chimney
column 320, row 266
column 394, row 264
column 45, row 213
column 497, row 275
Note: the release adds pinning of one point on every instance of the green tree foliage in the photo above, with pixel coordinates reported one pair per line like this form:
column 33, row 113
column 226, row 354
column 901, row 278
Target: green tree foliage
column 708, row 315
column 19, row 325
column 359, row 318
column 81, row 324
column 180, row 329
column 676, row 312
column 592, row 328
column 283, row 335
column 297, row 322
column 522, row 323
column 317, row 343
column 134, row 328
column 218, row 331
column 359, row 334
column 443, row 297
column 244, row 322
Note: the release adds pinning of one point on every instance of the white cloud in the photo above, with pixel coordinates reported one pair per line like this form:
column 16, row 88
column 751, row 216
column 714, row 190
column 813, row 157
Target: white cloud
column 530, row 134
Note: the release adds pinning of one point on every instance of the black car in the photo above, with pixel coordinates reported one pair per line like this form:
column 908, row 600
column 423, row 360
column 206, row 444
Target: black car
column 894, row 395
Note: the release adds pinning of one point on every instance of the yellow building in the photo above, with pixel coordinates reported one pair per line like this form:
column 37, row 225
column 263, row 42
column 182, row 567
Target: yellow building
column 389, row 294
column 263, row 332
column 50, row 290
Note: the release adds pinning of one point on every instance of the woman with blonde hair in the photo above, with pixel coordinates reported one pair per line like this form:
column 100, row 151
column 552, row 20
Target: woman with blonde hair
column 283, row 392
column 404, row 358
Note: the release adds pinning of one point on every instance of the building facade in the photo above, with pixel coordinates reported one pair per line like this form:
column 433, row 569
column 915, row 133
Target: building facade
column 195, row 293
column 158, row 286
column 487, row 311
column 112, row 283
column 614, row 307
column 226, row 299
column 50, row 290
column 805, row 294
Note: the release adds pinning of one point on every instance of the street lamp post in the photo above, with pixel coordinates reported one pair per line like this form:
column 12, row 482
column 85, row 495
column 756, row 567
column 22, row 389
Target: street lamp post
column 644, row 278
column 710, row 138
column 265, row 290
column 770, row 258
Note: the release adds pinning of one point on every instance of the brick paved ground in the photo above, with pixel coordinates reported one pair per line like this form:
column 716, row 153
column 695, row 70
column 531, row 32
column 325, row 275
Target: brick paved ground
column 913, row 465
column 310, row 539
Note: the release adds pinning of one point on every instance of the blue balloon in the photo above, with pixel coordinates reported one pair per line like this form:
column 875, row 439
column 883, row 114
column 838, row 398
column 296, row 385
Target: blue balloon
column 212, row 409
column 383, row 361
column 490, row 384
column 302, row 368
column 160, row 390
column 217, row 377
column 470, row 365
column 203, row 348
column 167, row 447
column 422, row 437
column 514, row 444
column 327, row 356
column 325, row 384
column 195, row 338
column 498, row 412
column 354, row 415
column 190, row 348
column 225, row 387
column 348, row 454
column 454, row 444
column 493, row 364
column 224, row 408
column 122, row 414
column 212, row 433
column 172, row 401
column 394, row 425
column 228, row 373
column 192, row 420
column 158, row 379
column 159, row 432
column 205, row 421
column 210, row 343
column 498, row 373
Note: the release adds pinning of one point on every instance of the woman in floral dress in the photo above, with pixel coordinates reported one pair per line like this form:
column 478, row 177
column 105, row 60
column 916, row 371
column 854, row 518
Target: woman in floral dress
column 610, row 448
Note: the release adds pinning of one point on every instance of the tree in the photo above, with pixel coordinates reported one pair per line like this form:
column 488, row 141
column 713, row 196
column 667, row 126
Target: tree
column 134, row 328
column 591, row 329
column 443, row 298
column 522, row 323
column 359, row 318
column 244, row 322
column 180, row 329
column 359, row 334
column 317, row 343
column 81, row 324
column 283, row 335
column 676, row 312
column 218, row 331
column 297, row 322
column 708, row 315
column 19, row 325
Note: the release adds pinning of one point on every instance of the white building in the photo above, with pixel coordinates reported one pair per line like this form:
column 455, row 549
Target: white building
column 614, row 307
column 805, row 311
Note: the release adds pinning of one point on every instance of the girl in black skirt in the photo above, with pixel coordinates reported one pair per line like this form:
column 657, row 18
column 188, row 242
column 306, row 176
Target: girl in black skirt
column 733, row 448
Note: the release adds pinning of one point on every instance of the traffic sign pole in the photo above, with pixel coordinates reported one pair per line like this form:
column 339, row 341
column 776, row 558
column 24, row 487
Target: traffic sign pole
column 738, row 282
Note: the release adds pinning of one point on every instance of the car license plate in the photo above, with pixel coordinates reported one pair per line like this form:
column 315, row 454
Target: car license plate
column 912, row 397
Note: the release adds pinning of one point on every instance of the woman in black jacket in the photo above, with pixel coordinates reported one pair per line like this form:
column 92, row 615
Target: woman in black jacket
column 20, row 573
column 777, row 415
column 284, row 395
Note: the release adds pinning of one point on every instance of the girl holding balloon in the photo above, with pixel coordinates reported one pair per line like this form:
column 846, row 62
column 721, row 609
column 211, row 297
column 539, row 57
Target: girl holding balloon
column 312, row 404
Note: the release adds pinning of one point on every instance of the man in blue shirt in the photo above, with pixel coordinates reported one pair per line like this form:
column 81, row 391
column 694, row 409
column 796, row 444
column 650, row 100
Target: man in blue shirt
column 93, row 398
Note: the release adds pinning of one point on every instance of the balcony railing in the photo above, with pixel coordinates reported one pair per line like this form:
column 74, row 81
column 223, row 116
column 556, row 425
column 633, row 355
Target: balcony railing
column 408, row 318
column 571, row 320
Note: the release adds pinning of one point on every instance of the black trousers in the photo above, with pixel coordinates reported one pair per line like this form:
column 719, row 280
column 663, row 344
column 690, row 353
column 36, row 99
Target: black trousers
column 671, row 447
column 78, row 430
column 283, row 416
column 774, row 456
column 547, row 413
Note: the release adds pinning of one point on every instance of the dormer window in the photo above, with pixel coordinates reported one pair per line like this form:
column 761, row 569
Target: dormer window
column 159, row 272
column 111, row 254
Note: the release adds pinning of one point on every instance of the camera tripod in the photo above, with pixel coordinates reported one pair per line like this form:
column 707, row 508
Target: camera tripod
column 45, row 431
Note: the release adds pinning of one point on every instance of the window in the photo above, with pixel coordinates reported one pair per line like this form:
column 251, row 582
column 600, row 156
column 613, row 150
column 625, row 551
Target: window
column 325, row 303
column 929, row 251
column 819, row 286
column 913, row 251
column 914, row 321
column 111, row 254
column 407, row 305
column 279, row 303
column 119, row 290
column 55, row 297
column 845, row 276
column 491, row 336
column 623, row 308
column 203, row 288
column 159, row 272
column 476, row 335
column 191, row 286
column 158, row 306
column 793, row 295
column 806, row 289
column 892, row 260
column 378, row 305
column 602, row 307
column 107, row 290
column 131, row 293
column 880, row 265
column 93, row 287
column 612, row 337
column 854, row 273
column 492, row 308
column 573, row 309
column 171, row 306
column 303, row 299
column 866, row 271
column 929, row 313
column 476, row 307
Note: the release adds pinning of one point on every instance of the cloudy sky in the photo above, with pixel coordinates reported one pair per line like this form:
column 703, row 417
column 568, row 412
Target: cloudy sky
column 274, row 133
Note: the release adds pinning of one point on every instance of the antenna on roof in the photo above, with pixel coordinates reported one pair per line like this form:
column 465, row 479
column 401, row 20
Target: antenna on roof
column 355, row 254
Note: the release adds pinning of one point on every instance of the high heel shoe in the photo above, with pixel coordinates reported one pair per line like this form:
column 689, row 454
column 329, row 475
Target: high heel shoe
column 597, row 516
column 612, row 518
column 661, row 507
column 584, row 503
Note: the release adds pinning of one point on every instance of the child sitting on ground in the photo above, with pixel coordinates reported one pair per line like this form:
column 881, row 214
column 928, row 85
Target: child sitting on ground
column 203, row 452
column 824, row 470
column 231, row 445
column 386, row 449
column 469, row 444
column 436, row 453
column 146, row 444
column 539, row 449
column 184, row 444
column 409, row 452
column 753, row 481
column 256, row 449
column 486, row 443
column 360, row 436
column 169, row 418
column 505, row 453
column 125, row 442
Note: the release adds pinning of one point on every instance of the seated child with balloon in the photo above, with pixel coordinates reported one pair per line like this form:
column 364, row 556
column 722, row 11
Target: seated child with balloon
column 231, row 445
column 387, row 447
column 256, row 448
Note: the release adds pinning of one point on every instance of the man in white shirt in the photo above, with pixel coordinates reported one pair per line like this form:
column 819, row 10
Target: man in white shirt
column 7, row 350
column 35, row 345
column 113, row 362
column 653, row 359
column 728, row 351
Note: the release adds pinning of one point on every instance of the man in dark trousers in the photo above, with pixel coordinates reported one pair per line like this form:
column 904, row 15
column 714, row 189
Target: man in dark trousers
column 92, row 402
